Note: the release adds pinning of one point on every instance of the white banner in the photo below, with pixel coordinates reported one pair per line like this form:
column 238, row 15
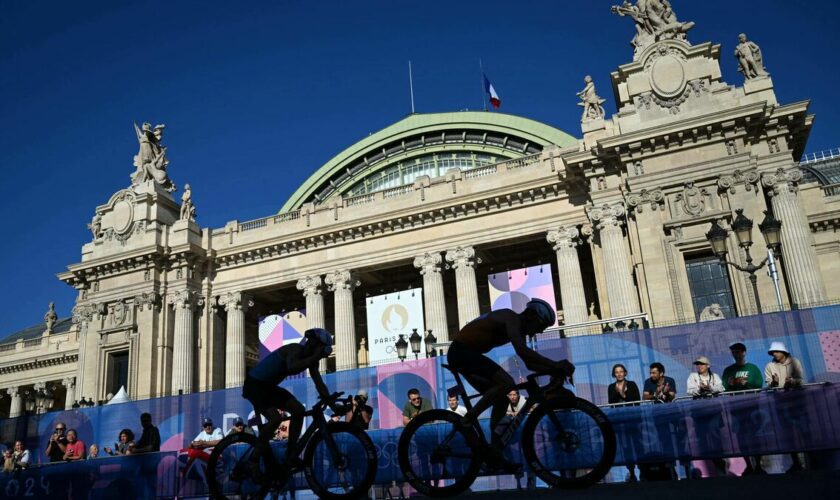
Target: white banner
column 390, row 315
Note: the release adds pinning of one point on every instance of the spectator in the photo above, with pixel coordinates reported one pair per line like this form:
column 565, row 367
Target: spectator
column 20, row 455
column 623, row 391
column 126, row 436
column 454, row 406
column 743, row 376
column 239, row 426
column 703, row 382
column 150, row 438
column 414, row 406
column 75, row 449
column 740, row 375
column 783, row 370
column 208, row 437
column 516, row 403
column 658, row 387
column 58, row 443
column 360, row 413
column 282, row 432
column 93, row 451
column 8, row 461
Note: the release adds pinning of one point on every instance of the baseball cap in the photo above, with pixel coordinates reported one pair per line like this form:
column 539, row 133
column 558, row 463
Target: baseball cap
column 739, row 346
column 238, row 421
column 206, row 422
column 702, row 360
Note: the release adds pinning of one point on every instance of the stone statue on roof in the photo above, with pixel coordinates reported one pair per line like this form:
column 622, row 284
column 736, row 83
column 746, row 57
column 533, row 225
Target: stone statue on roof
column 187, row 207
column 151, row 161
column 655, row 20
column 50, row 318
column 750, row 60
column 593, row 108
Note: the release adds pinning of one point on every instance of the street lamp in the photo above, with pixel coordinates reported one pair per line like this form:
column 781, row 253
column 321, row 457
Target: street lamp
column 402, row 347
column 430, row 340
column 29, row 401
column 770, row 228
column 415, row 339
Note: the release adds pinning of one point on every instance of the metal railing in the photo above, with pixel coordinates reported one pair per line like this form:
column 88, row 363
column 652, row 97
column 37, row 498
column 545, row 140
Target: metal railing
column 819, row 156
column 831, row 190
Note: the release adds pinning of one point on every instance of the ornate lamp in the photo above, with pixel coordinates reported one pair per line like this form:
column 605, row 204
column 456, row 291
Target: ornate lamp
column 743, row 228
column 29, row 402
column 771, row 229
column 430, row 340
column 415, row 339
column 402, row 347
column 717, row 239
column 76, row 405
column 49, row 399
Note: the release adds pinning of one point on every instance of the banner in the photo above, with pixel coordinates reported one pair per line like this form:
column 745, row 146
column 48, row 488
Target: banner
column 513, row 289
column 390, row 315
column 277, row 330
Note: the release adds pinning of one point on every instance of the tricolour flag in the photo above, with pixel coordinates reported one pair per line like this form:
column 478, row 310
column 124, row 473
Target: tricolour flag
column 494, row 97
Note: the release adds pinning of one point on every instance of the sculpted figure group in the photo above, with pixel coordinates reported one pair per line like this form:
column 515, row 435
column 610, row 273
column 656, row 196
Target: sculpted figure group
column 655, row 20
column 151, row 161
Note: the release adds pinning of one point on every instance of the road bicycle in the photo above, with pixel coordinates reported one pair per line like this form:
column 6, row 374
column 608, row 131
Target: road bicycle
column 339, row 461
column 568, row 442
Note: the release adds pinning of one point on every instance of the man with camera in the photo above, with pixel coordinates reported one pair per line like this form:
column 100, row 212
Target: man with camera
column 360, row 413
column 58, row 443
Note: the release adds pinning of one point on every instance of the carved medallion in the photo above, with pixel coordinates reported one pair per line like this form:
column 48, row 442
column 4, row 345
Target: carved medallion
column 120, row 312
column 693, row 199
column 667, row 76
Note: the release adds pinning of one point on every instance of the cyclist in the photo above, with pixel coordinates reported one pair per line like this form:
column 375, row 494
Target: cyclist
column 494, row 329
column 261, row 386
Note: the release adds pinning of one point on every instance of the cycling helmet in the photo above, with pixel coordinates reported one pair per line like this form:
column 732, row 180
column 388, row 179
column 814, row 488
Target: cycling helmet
column 545, row 313
column 322, row 336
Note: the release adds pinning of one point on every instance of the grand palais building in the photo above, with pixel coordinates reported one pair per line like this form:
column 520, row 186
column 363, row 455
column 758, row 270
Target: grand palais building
column 619, row 210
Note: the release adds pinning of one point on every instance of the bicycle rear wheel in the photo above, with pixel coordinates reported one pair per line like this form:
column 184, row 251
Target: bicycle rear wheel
column 569, row 443
column 349, row 473
column 435, row 456
column 233, row 472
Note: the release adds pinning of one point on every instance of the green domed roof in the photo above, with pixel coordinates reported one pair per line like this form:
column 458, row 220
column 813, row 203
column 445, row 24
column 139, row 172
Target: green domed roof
column 426, row 144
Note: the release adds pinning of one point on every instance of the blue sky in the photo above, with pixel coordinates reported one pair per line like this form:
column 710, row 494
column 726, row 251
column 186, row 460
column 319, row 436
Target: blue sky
column 257, row 96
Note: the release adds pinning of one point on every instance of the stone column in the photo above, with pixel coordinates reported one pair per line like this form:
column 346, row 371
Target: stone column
column 183, row 346
column 565, row 241
column 312, row 288
column 799, row 257
column 463, row 261
column 621, row 291
column 433, row 298
column 342, row 283
column 235, row 303
column 70, row 384
column 16, row 407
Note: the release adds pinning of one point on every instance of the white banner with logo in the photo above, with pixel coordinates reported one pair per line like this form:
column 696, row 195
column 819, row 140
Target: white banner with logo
column 390, row 315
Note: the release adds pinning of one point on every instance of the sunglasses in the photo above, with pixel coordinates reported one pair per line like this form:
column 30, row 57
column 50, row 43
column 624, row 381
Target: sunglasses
column 415, row 399
column 59, row 428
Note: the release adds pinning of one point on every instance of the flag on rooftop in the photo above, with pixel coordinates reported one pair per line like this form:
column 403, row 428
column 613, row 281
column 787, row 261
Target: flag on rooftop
column 491, row 91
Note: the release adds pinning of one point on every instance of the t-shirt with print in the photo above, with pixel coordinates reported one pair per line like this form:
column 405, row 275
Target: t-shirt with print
column 749, row 371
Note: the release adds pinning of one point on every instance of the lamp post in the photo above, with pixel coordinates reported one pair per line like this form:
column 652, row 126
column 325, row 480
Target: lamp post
column 415, row 340
column 770, row 228
column 402, row 348
column 430, row 340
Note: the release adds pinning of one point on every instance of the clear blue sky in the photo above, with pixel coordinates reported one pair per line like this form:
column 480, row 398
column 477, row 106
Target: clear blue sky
column 257, row 95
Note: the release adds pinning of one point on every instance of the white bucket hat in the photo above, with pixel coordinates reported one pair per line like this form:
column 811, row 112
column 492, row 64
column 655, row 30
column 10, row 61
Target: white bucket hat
column 778, row 346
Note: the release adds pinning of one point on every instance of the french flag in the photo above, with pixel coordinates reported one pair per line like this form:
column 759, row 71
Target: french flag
column 494, row 97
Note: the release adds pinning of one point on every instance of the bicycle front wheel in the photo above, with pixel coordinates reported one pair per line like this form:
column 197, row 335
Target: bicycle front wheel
column 349, row 471
column 435, row 456
column 569, row 443
column 235, row 471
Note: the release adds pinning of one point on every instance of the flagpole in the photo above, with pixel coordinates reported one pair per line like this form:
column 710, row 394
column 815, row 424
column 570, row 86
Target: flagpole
column 411, row 86
column 483, row 91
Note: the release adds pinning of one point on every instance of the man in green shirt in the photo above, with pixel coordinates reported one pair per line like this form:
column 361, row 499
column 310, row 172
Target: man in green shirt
column 740, row 375
column 414, row 406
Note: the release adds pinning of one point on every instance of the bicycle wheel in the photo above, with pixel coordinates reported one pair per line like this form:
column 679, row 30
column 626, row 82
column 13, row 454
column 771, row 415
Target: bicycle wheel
column 231, row 470
column 569, row 444
column 349, row 473
column 435, row 456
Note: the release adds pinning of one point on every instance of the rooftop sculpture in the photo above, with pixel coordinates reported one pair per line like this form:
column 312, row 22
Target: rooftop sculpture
column 655, row 20
column 151, row 161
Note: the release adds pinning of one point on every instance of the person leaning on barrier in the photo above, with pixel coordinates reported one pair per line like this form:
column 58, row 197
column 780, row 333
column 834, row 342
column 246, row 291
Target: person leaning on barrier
column 120, row 447
column 415, row 405
column 453, row 405
column 93, row 452
column 703, row 382
column 783, row 370
column 8, row 461
column 622, row 390
column 75, row 449
column 150, row 438
column 359, row 413
column 740, row 375
column 57, row 444
column 239, row 426
column 20, row 455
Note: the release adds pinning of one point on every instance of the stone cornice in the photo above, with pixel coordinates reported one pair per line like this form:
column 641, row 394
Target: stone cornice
column 111, row 266
column 40, row 362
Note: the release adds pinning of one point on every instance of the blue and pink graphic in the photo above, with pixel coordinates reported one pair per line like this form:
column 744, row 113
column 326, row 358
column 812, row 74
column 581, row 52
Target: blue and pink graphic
column 513, row 289
column 277, row 330
column 393, row 382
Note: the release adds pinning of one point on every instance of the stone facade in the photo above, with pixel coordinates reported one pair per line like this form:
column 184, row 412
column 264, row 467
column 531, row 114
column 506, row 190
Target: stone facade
column 617, row 213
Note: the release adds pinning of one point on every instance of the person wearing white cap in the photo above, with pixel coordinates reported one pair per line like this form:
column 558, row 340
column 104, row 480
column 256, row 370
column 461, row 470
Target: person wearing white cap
column 783, row 370
column 703, row 382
